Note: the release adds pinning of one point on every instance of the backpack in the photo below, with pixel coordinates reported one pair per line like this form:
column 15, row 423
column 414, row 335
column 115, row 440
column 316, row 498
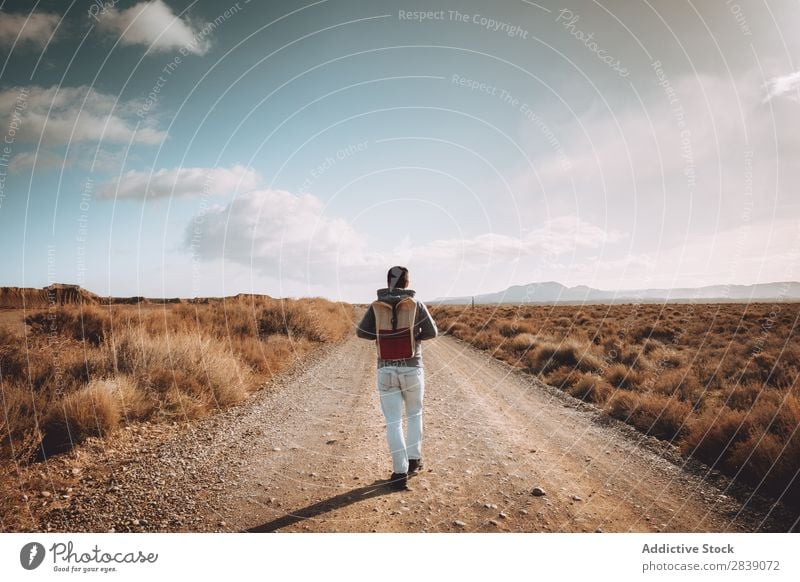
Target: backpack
column 394, row 324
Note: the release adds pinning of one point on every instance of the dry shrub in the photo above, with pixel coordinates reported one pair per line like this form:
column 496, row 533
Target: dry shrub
column 487, row 340
column 81, row 369
column 317, row 320
column 620, row 376
column 82, row 322
column 455, row 328
column 591, row 388
column 200, row 363
column 18, row 434
column 57, row 321
column 176, row 402
column 666, row 358
column 770, row 459
column 621, row 405
column 522, row 342
column 272, row 354
column 92, row 411
column 85, row 365
column 13, row 360
column 764, row 368
column 134, row 403
column 634, row 357
column 650, row 346
column 570, row 352
column 252, row 351
column 681, row 384
column 790, row 355
column 91, row 324
column 466, row 334
column 563, row 377
column 333, row 321
column 657, row 331
column 711, row 433
column 612, row 348
column 743, row 396
column 510, row 329
column 662, row 417
column 284, row 318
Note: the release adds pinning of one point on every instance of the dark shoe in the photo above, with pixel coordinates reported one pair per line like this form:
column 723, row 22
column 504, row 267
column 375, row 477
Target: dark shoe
column 414, row 466
column 398, row 481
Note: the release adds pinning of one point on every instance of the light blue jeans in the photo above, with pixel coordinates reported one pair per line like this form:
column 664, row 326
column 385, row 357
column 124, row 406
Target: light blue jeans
column 398, row 385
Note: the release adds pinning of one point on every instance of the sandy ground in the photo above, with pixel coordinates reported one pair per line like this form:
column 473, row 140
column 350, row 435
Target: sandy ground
column 309, row 454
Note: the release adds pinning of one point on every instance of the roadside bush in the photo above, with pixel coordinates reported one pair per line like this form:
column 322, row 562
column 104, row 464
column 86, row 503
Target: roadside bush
column 591, row 388
column 92, row 411
column 656, row 415
column 285, row 318
column 764, row 368
column 317, row 320
column 522, row 342
column 679, row 383
column 82, row 370
column 13, row 361
column 572, row 353
column 510, row 329
column 486, row 340
column 563, row 377
column 135, row 404
column 713, row 432
column 769, row 460
column 620, row 376
column 657, row 331
column 84, row 323
column 455, row 329
column 19, row 437
column 201, row 364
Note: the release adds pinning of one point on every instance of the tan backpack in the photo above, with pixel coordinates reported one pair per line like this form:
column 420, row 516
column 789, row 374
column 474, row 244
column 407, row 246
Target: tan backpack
column 394, row 325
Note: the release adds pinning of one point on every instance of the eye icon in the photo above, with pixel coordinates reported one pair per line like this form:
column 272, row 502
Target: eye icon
column 31, row 555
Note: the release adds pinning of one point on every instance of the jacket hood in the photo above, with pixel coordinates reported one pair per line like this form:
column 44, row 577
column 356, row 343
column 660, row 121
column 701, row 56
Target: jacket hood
column 394, row 295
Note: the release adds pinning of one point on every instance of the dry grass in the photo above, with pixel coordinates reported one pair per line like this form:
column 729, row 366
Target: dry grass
column 82, row 371
column 591, row 388
column 91, row 411
column 718, row 380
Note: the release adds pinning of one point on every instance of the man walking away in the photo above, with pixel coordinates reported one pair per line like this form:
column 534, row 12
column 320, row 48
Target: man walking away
column 398, row 323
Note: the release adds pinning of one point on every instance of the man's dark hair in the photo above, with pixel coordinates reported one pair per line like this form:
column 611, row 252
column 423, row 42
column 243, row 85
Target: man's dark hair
column 397, row 278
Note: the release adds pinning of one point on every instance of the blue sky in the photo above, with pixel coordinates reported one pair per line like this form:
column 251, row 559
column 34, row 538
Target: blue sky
column 300, row 148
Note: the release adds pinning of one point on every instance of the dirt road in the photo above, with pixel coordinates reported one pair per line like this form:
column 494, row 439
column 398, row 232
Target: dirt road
column 309, row 454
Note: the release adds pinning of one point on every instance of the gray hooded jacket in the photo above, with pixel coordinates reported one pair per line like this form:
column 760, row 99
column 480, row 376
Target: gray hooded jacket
column 424, row 326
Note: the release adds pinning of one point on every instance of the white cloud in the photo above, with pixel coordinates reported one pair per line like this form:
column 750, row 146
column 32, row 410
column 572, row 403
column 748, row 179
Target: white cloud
column 42, row 161
column 85, row 157
column 71, row 114
column 778, row 86
column 283, row 234
column 762, row 252
column 27, row 29
column 667, row 172
column 154, row 25
column 557, row 236
column 196, row 182
column 278, row 233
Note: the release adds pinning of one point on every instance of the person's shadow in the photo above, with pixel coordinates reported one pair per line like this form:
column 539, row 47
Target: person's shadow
column 376, row 489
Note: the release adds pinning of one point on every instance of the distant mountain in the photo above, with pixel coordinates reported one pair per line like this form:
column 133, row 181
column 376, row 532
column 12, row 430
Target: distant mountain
column 552, row 292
